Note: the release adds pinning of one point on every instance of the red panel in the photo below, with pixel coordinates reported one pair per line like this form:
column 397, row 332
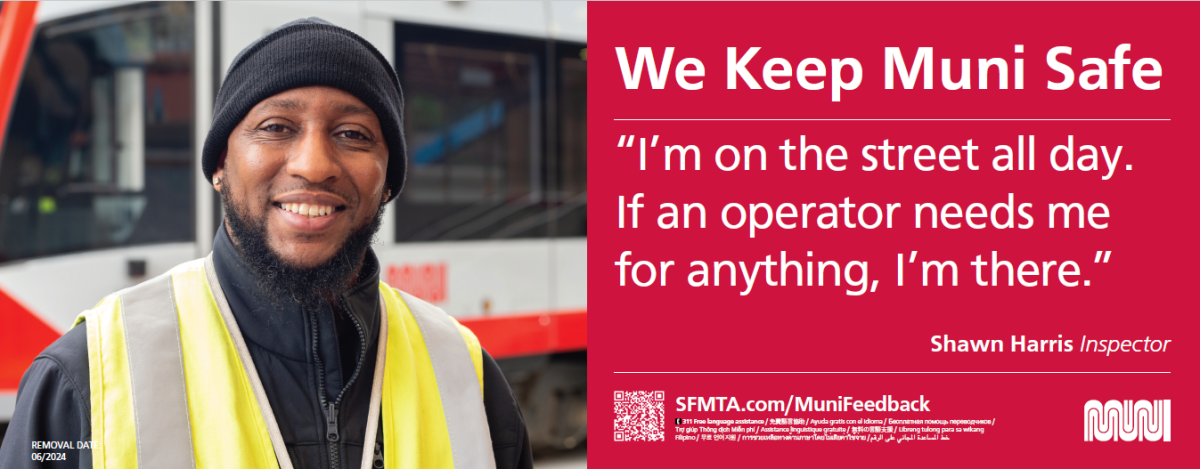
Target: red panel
column 16, row 30
column 530, row 334
column 770, row 338
column 22, row 337
column 572, row 331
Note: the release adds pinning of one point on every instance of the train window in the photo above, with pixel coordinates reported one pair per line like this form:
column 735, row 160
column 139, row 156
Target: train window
column 571, row 195
column 99, row 151
column 473, row 128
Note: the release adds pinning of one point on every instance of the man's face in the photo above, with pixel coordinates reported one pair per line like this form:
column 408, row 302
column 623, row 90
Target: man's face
column 312, row 163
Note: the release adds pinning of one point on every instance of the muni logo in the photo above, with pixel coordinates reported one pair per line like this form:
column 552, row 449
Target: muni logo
column 1127, row 420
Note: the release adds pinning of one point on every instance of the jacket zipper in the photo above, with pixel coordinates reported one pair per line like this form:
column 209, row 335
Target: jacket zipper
column 331, row 434
column 330, row 408
column 378, row 460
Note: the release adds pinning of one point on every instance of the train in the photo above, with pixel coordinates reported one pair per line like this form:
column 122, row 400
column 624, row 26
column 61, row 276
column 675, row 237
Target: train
column 104, row 107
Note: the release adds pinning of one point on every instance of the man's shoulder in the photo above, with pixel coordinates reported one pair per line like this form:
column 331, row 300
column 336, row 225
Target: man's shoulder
column 70, row 348
column 411, row 301
column 416, row 304
column 68, row 358
column 110, row 301
column 53, row 403
column 69, row 353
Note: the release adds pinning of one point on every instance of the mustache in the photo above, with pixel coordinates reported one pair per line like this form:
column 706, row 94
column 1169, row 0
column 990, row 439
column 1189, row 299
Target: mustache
column 352, row 199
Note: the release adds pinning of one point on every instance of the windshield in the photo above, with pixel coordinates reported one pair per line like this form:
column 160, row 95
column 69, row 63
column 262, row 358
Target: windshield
column 98, row 151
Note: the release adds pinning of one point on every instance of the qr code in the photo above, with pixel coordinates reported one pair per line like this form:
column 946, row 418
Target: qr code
column 639, row 416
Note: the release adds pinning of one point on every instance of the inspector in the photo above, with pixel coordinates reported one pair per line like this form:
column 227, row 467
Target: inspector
column 282, row 348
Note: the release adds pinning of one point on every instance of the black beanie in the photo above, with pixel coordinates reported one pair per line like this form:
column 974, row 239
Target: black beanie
column 310, row 52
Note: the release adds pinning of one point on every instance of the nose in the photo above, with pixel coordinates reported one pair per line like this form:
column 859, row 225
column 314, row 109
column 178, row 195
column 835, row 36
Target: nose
column 315, row 158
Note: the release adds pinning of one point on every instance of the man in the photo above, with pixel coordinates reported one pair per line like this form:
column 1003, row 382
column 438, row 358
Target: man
column 282, row 348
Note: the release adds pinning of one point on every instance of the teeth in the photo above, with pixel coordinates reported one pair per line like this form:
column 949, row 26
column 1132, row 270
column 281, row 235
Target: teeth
column 310, row 211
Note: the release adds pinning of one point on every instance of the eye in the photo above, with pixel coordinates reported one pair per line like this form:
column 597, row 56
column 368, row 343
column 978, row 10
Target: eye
column 354, row 134
column 275, row 128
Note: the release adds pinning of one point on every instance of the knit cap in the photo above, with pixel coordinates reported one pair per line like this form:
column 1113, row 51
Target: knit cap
column 310, row 52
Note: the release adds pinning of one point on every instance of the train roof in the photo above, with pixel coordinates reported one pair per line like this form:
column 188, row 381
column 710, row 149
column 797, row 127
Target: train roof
column 564, row 21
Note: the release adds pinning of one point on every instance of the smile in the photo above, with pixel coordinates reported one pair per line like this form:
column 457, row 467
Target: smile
column 310, row 211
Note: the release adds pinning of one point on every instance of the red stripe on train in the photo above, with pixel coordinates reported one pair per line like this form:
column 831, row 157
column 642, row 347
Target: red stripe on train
column 23, row 336
column 514, row 335
column 16, row 30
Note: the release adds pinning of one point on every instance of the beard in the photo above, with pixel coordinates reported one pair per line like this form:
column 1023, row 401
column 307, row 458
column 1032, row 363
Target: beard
column 282, row 282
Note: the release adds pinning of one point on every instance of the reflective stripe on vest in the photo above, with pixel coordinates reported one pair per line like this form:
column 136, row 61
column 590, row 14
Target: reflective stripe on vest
column 156, row 375
column 427, row 327
column 170, row 388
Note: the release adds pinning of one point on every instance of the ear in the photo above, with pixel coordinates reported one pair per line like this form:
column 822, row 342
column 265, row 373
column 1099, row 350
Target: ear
column 219, row 175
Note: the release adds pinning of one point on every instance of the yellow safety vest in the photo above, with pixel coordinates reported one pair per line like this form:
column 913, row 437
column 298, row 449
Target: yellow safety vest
column 172, row 384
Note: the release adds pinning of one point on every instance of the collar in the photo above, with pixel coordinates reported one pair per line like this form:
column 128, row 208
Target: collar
column 283, row 330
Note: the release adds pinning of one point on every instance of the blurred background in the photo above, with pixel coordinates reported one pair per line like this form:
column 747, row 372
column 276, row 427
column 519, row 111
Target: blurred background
column 104, row 107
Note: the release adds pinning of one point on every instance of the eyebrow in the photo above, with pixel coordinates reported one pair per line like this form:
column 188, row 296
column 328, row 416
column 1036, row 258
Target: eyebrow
column 356, row 110
column 293, row 105
column 284, row 104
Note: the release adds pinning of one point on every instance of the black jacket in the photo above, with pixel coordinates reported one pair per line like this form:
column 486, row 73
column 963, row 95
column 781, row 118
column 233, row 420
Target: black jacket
column 294, row 359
